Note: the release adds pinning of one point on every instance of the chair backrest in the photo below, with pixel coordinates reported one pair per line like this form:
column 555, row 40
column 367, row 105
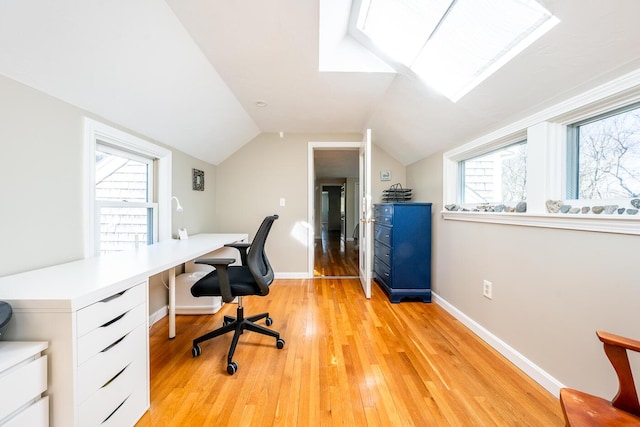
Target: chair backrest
column 615, row 347
column 257, row 260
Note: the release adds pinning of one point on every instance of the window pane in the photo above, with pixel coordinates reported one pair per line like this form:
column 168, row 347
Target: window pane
column 496, row 177
column 124, row 228
column 400, row 28
column 119, row 178
column 609, row 157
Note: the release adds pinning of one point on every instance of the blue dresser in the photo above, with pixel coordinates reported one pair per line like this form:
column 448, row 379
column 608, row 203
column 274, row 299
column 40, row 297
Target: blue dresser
column 402, row 250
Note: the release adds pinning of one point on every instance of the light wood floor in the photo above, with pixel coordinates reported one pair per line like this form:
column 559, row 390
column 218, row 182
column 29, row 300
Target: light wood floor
column 333, row 257
column 347, row 361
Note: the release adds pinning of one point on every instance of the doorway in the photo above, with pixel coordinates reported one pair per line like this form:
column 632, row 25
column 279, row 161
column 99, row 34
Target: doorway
column 335, row 211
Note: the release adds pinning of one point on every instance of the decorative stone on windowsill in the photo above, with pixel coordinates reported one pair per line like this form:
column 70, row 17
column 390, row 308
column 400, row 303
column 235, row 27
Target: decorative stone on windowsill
column 558, row 206
column 521, row 207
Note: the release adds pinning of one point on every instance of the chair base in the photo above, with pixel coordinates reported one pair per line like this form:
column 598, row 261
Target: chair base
column 238, row 325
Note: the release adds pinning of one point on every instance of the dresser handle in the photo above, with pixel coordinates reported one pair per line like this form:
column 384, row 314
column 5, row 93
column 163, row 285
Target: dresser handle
column 110, row 346
column 112, row 321
column 114, row 296
column 116, row 410
column 115, row 376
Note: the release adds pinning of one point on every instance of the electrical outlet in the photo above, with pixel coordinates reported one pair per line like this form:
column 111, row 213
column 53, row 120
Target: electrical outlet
column 487, row 289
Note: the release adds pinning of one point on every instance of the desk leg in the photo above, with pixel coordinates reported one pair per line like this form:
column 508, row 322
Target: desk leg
column 172, row 303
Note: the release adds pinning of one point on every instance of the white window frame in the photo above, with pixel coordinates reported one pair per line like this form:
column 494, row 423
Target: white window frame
column 546, row 133
column 147, row 204
column 97, row 133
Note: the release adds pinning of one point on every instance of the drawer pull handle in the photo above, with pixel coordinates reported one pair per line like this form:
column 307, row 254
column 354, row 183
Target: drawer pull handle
column 112, row 321
column 116, row 410
column 114, row 296
column 110, row 346
column 115, row 376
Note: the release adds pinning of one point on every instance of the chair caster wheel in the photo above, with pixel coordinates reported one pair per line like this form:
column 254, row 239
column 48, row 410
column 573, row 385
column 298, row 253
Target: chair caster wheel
column 280, row 343
column 232, row 368
column 268, row 321
column 196, row 351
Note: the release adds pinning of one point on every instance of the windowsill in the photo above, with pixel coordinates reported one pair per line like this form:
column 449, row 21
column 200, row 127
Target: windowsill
column 604, row 223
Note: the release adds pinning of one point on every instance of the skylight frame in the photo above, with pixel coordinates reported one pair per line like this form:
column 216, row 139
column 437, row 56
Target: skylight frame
column 542, row 20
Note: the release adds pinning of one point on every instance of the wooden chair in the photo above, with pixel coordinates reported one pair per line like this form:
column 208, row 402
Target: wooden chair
column 582, row 409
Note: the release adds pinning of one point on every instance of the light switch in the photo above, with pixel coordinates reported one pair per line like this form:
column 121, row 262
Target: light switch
column 282, row 201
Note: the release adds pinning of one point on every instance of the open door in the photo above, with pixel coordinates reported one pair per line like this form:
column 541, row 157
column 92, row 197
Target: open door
column 365, row 218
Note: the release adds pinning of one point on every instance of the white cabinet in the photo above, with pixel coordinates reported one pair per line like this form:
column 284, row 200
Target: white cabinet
column 94, row 315
column 98, row 355
column 23, row 379
column 112, row 354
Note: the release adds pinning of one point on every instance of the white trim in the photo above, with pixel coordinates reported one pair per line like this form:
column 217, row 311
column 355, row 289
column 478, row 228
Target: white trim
column 157, row 315
column 613, row 223
column 293, row 275
column 536, row 373
column 311, row 193
column 96, row 132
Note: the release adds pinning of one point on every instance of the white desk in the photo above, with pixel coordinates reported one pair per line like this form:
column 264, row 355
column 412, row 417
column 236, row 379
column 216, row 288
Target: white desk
column 83, row 307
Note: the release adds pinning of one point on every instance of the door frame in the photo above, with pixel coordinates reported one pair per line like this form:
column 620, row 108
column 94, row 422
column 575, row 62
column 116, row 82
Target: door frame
column 311, row 182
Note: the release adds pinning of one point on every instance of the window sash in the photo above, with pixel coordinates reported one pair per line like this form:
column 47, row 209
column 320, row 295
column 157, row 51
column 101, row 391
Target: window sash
column 126, row 229
column 464, row 188
column 124, row 154
column 573, row 152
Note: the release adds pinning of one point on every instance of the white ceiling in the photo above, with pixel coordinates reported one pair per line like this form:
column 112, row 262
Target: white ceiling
column 188, row 73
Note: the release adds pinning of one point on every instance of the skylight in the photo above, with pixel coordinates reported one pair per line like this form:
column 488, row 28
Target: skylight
column 452, row 45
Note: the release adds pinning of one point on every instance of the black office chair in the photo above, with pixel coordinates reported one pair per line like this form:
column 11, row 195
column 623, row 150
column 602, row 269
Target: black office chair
column 253, row 277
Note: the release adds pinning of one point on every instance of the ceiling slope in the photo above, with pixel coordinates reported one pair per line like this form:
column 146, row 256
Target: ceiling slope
column 131, row 62
column 189, row 73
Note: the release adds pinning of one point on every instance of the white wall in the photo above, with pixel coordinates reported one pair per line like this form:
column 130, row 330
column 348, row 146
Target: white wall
column 250, row 183
column 41, row 179
column 551, row 288
column 381, row 160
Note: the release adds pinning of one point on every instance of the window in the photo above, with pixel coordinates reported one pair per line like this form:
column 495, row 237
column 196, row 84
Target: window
column 127, row 190
column 499, row 176
column 124, row 200
column 453, row 45
column 604, row 156
column 582, row 165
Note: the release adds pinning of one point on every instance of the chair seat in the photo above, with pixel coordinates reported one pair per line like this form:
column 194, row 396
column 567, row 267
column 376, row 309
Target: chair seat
column 583, row 409
column 241, row 282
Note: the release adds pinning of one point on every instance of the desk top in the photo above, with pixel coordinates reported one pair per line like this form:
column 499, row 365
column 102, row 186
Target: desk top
column 74, row 285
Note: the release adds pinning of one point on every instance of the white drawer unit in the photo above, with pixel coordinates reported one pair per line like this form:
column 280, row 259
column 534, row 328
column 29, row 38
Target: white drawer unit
column 112, row 355
column 23, row 380
column 98, row 356
column 93, row 315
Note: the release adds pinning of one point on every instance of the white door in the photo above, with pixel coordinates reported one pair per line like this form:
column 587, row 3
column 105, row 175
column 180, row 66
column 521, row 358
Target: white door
column 366, row 221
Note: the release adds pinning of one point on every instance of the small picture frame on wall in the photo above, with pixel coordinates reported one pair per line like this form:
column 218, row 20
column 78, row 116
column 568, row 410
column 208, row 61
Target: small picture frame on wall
column 385, row 175
column 198, row 180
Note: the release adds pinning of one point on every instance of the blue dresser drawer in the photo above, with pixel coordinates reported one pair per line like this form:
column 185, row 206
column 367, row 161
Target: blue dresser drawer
column 382, row 234
column 382, row 252
column 402, row 250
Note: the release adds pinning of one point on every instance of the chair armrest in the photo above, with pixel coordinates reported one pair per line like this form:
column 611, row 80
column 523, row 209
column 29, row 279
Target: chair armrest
column 242, row 247
column 619, row 341
column 615, row 347
column 221, row 265
column 215, row 262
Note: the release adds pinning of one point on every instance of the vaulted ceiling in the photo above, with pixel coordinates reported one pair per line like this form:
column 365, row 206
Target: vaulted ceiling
column 191, row 73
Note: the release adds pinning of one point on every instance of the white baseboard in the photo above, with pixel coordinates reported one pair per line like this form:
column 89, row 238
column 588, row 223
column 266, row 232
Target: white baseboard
column 154, row 317
column 292, row 275
column 540, row 376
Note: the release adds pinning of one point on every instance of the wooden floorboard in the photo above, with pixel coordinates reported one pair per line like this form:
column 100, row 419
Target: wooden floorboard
column 347, row 361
